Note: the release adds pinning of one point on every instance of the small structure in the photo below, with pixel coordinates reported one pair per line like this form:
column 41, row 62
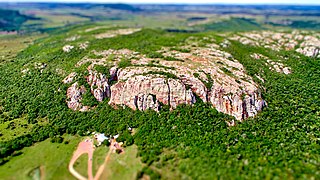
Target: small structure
column 116, row 146
column 116, row 136
column 100, row 138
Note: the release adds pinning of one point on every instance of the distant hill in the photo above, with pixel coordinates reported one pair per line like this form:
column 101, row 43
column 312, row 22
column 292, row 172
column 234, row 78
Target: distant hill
column 11, row 20
column 234, row 24
column 118, row 6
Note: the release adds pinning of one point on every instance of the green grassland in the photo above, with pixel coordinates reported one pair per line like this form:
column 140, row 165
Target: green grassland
column 12, row 20
column 282, row 142
column 98, row 159
column 53, row 20
column 45, row 17
column 233, row 24
column 17, row 127
column 10, row 45
column 53, row 158
column 120, row 166
column 123, row 166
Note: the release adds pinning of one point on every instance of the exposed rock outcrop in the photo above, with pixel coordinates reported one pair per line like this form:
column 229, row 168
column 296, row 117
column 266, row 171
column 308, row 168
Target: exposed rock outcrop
column 73, row 38
column 113, row 33
column 207, row 72
column 144, row 102
column 74, row 97
column 309, row 51
column 84, row 45
column 144, row 92
column 278, row 67
column 67, row 48
column 241, row 105
column 306, row 44
column 98, row 85
column 273, row 65
column 69, row 78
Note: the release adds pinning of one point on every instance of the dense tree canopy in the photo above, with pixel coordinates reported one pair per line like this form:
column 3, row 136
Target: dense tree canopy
column 283, row 141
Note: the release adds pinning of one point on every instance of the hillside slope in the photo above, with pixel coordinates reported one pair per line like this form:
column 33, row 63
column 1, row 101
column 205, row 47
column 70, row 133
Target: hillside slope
column 193, row 80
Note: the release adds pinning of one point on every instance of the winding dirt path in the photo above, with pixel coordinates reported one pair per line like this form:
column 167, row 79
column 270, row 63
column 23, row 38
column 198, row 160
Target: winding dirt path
column 42, row 173
column 87, row 146
column 102, row 167
column 83, row 147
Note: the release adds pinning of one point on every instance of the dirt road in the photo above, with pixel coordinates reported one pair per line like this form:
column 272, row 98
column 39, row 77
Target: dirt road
column 88, row 147
column 83, row 147
column 113, row 147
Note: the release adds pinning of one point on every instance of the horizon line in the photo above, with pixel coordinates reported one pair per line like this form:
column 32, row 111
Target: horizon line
column 160, row 3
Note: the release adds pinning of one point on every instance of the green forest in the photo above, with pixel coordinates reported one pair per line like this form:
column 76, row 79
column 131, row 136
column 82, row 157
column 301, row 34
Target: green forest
column 11, row 20
column 281, row 142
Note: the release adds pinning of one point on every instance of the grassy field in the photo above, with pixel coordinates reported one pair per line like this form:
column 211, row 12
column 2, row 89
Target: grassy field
column 51, row 20
column 98, row 159
column 233, row 24
column 10, row 45
column 123, row 166
column 16, row 127
column 158, row 21
column 120, row 166
column 51, row 158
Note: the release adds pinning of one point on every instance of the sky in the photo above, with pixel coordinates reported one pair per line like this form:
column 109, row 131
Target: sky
column 311, row 2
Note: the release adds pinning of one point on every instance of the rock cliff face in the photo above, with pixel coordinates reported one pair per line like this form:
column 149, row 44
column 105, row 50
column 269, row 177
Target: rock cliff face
column 145, row 92
column 98, row 84
column 207, row 72
column 74, row 96
column 241, row 105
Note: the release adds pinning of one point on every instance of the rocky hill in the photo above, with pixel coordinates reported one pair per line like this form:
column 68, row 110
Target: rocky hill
column 198, row 67
column 202, row 105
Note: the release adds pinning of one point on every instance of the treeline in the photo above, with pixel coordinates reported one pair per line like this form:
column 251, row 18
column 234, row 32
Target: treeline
column 12, row 20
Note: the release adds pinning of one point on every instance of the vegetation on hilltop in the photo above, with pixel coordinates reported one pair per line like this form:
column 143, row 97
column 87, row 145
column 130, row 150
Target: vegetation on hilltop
column 48, row 16
column 11, row 20
column 233, row 24
column 193, row 141
column 311, row 25
column 51, row 6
